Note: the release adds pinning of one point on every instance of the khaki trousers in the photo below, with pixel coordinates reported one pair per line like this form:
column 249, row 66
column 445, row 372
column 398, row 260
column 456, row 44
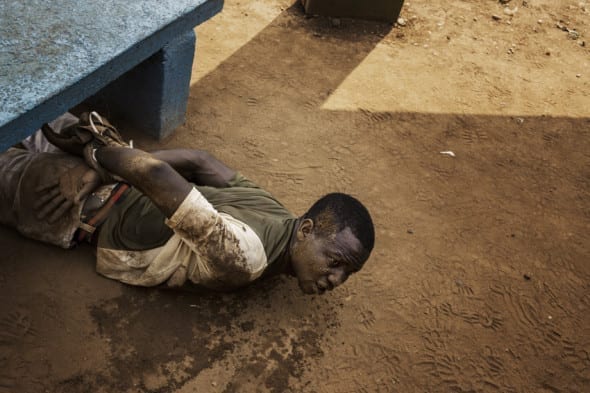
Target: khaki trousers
column 22, row 172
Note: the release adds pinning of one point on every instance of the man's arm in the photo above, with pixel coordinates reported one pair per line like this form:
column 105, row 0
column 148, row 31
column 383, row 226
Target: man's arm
column 197, row 166
column 155, row 178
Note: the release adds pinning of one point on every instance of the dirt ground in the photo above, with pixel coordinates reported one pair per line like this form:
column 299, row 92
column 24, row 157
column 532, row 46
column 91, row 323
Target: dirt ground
column 480, row 278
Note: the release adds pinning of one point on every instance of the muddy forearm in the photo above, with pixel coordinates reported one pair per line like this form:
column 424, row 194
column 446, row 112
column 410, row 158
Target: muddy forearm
column 153, row 177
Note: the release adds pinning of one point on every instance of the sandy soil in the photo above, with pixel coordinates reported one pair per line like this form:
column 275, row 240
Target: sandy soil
column 480, row 280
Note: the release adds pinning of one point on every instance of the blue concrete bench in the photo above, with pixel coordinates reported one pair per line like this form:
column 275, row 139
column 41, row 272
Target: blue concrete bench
column 56, row 54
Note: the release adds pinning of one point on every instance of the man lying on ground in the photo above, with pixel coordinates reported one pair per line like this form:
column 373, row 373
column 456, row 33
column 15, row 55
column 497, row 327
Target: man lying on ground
column 173, row 217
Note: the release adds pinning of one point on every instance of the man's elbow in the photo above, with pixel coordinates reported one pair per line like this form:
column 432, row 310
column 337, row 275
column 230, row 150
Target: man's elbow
column 152, row 168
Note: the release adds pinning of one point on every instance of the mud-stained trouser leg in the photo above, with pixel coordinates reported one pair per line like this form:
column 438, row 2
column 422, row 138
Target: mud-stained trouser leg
column 23, row 172
column 13, row 163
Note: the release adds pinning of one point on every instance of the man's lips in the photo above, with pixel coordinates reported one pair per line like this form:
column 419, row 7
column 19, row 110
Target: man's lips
column 312, row 288
column 316, row 287
column 324, row 286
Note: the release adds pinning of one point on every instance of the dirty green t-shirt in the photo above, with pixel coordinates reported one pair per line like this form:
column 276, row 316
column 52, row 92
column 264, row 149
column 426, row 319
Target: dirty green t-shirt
column 135, row 223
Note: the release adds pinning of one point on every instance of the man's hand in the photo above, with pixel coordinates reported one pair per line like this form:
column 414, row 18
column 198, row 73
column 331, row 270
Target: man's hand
column 57, row 198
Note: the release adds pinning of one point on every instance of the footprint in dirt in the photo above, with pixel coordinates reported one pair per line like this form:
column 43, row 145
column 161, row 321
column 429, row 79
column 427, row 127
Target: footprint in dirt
column 14, row 326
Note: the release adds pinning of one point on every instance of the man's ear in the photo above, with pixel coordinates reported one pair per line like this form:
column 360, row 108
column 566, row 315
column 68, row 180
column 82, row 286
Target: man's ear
column 305, row 228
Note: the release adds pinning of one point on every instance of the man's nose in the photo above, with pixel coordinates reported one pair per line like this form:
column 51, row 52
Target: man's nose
column 337, row 277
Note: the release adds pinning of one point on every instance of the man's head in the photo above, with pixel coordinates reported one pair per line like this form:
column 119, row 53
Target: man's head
column 331, row 241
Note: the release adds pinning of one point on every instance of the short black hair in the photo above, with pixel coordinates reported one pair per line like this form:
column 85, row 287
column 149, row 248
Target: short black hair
column 343, row 210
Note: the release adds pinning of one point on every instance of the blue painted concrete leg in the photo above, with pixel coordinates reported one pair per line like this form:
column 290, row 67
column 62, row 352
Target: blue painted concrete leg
column 152, row 97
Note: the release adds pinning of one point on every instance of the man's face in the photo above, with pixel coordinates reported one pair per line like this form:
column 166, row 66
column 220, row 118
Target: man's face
column 322, row 263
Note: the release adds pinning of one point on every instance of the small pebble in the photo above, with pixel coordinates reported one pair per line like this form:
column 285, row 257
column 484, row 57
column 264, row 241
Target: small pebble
column 511, row 12
column 401, row 21
column 496, row 17
column 578, row 75
column 573, row 34
column 560, row 25
column 410, row 231
column 527, row 276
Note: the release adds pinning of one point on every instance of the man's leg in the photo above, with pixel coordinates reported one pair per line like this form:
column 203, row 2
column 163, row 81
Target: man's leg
column 23, row 174
column 14, row 161
column 24, row 178
column 38, row 143
column 13, row 164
